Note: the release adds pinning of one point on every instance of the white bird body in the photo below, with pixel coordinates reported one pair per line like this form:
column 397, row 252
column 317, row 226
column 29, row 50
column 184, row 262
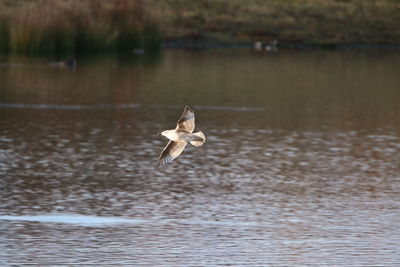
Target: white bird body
column 181, row 136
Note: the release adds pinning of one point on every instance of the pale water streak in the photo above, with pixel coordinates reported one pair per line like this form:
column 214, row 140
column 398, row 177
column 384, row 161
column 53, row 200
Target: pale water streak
column 301, row 165
column 71, row 219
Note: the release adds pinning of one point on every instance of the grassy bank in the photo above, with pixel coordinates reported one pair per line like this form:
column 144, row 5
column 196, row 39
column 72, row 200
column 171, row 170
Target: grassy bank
column 76, row 25
column 290, row 21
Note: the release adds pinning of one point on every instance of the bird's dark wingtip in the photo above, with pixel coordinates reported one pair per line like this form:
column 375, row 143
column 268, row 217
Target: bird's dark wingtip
column 162, row 161
column 187, row 114
column 187, row 107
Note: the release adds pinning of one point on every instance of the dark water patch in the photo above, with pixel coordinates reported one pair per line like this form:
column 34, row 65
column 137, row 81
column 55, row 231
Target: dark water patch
column 67, row 107
column 122, row 106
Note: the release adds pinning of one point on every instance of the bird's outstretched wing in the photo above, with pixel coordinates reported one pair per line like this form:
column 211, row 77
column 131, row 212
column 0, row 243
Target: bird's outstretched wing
column 186, row 121
column 171, row 151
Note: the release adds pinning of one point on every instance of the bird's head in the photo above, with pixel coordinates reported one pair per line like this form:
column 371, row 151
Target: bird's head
column 163, row 133
column 166, row 133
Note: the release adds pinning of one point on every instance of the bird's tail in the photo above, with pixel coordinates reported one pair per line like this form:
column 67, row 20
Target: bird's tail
column 201, row 138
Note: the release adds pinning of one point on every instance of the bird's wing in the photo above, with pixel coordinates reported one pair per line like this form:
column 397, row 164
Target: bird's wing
column 171, row 151
column 186, row 121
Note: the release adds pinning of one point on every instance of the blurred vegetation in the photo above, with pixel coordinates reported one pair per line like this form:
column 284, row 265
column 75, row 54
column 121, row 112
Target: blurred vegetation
column 77, row 25
column 317, row 22
column 82, row 25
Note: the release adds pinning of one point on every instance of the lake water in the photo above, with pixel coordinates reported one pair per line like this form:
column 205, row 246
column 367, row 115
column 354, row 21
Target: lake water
column 301, row 166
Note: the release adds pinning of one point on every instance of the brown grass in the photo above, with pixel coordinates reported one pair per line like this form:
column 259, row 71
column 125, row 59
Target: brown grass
column 58, row 25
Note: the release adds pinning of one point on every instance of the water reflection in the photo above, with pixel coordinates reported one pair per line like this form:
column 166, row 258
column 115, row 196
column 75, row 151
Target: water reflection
column 299, row 168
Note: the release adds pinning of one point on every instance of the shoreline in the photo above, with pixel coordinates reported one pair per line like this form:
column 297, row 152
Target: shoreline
column 287, row 46
column 190, row 45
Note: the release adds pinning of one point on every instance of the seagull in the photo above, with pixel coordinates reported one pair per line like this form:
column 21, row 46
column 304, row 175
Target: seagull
column 180, row 136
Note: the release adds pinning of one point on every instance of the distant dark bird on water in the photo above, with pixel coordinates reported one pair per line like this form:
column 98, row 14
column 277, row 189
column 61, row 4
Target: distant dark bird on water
column 71, row 63
column 180, row 136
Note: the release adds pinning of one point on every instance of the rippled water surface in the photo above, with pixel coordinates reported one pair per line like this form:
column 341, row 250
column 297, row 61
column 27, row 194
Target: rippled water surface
column 301, row 165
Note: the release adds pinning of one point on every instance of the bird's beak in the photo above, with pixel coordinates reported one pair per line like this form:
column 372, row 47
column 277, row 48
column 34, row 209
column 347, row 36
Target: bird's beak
column 159, row 134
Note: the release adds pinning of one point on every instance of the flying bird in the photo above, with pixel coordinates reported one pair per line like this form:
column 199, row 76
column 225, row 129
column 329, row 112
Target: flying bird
column 180, row 136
